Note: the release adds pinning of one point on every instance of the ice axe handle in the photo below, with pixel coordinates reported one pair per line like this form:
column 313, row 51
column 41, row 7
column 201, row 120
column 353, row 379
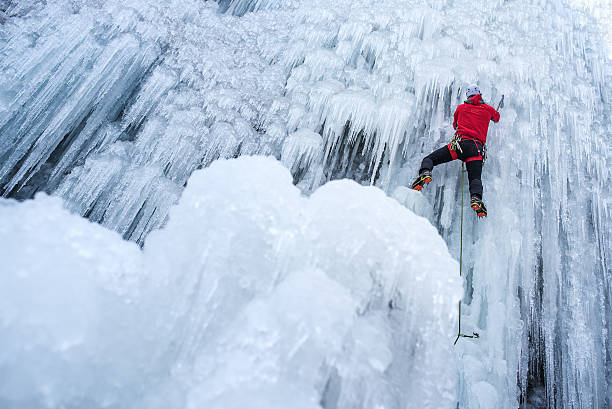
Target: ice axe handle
column 501, row 103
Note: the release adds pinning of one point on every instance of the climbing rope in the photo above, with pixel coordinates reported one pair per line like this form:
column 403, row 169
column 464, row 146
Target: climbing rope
column 459, row 334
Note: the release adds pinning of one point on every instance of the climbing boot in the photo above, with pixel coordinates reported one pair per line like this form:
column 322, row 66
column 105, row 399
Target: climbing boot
column 423, row 179
column 478, row 206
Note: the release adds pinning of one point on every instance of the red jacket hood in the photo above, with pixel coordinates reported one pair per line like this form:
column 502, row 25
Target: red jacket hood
column 474, row 99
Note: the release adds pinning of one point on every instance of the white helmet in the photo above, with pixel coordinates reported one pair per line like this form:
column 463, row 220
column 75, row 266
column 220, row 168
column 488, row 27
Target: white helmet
column 472, row 90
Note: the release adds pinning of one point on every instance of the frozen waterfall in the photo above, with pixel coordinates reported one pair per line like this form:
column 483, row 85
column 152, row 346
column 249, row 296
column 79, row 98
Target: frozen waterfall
column 240, row 289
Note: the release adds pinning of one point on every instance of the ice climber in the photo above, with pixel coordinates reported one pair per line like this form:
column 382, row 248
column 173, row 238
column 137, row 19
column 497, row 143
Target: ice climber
column 471, row 123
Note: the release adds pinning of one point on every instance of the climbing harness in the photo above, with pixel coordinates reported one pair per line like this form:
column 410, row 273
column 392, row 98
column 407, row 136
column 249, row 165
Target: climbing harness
column 482, row 152
column 459, row 334
column 454, row 143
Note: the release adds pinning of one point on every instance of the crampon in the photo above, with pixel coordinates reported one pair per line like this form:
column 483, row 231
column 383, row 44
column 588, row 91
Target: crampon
column 478, row 206
column 423, row 179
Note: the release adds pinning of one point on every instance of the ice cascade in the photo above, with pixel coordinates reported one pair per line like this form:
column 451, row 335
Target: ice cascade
column 113, row 105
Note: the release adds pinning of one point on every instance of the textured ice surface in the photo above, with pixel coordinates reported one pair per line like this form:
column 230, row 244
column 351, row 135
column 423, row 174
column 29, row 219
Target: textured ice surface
column 251, row 296
column 602, row 11
column 414, row 201
column 112, row 105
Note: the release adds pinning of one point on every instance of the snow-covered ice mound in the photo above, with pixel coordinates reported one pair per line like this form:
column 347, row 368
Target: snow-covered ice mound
column 252, row 296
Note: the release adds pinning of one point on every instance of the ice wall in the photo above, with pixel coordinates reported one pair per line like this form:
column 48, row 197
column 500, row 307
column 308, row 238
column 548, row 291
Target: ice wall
column 355, row 90
column 251, row 296
column 114, row 105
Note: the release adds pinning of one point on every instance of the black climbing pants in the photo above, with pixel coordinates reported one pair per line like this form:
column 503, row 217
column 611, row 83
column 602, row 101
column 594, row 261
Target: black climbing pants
column 471, row 156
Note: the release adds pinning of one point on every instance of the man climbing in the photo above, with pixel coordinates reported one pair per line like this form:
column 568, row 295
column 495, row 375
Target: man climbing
column 471, row 123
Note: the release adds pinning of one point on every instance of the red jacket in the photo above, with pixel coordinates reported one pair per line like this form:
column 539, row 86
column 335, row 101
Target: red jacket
column 472, row 119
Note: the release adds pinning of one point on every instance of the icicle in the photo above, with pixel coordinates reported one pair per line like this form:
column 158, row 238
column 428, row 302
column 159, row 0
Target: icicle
column 301, row 149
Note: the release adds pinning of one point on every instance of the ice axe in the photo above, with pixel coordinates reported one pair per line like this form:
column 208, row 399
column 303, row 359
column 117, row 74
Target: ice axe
column 501, row 103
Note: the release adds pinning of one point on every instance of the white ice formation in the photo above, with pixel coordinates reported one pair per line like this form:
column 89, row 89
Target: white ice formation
column 251, row 296
column 112, row 105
